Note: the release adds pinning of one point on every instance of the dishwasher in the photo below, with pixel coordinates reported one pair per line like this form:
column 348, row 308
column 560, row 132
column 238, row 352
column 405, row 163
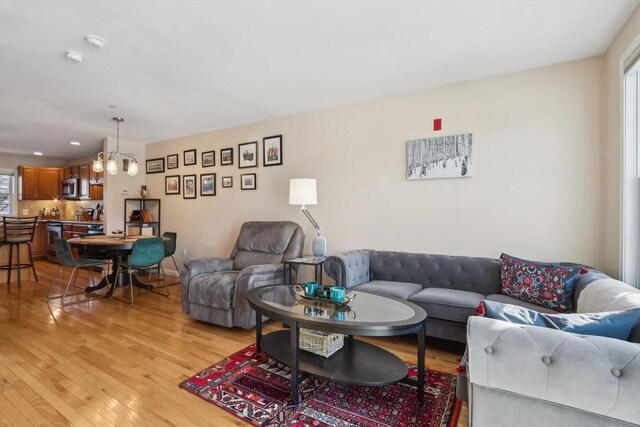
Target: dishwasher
column 54, row 231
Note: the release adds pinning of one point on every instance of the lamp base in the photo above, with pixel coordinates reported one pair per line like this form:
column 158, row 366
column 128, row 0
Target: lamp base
column 319, row 246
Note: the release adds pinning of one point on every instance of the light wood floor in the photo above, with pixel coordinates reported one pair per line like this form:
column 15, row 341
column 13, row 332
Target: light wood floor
column 103, row 362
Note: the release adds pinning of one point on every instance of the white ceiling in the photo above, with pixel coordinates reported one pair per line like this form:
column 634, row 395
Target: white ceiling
column 176, row 68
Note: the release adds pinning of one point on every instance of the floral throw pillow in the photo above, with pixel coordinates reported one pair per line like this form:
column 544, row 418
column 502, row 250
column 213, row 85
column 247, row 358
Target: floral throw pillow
column 547, row 285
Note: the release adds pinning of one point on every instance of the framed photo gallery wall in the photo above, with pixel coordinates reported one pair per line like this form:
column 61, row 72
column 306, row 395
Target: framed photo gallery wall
column 206, row 183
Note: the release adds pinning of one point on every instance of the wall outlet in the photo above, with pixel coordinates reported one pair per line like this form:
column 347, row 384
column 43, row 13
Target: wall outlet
column 125, row 191
column 184, row 252
column 25, row 211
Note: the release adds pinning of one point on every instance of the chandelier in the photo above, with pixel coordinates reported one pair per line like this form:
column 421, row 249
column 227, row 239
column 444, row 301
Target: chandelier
column 113, row 156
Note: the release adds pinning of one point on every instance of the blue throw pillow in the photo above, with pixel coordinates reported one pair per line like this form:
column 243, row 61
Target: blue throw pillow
column 612, row 324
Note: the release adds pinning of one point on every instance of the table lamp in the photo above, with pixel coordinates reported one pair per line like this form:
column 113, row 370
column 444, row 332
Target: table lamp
column 303, row 191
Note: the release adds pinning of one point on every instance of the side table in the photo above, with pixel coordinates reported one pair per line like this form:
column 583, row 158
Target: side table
column 316, row 262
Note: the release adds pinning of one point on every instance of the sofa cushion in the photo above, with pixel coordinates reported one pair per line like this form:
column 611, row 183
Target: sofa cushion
column 613, row 324
column 213, row 290
column 547, row 285
column 392, row 289
column 471, row 274
column 447, row 304
column 505, row 299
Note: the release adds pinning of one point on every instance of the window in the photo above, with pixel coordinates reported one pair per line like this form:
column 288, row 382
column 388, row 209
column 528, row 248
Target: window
column 631, row 175
column 7, row 199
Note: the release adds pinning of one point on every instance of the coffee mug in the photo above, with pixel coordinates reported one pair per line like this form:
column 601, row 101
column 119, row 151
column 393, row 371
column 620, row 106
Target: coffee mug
column 337, row 293
column 310, row 288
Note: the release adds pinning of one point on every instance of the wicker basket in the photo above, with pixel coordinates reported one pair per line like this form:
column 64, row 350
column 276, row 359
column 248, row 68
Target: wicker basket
column 320, row 343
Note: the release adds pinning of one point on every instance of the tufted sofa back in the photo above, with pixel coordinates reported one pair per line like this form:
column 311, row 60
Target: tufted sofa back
column 472, row 274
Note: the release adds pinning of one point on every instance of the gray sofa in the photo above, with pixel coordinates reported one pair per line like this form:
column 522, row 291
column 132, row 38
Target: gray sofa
column 214, row 289
column 534, row 376
column 449, row 288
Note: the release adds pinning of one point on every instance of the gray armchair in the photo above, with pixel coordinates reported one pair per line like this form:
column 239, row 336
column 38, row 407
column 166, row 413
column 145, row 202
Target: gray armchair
column 215, row 290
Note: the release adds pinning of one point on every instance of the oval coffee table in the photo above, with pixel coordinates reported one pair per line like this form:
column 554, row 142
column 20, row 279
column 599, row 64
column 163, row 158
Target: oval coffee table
column 357, row 362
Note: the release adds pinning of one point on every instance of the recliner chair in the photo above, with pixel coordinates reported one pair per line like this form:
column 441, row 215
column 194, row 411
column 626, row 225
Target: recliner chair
column 214, row 290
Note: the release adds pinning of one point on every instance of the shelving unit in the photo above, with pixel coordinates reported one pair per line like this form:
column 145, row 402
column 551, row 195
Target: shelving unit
column 142, row 216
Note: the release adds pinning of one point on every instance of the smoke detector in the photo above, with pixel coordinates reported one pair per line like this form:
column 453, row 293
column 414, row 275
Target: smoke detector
column 94, row 41
column 74, row 56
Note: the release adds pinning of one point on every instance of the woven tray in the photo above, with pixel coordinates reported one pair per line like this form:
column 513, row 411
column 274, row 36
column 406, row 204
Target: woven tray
column 321, row 343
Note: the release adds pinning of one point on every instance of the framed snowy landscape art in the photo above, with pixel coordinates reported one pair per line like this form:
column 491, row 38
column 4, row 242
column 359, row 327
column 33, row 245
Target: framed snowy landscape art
column 440, row 157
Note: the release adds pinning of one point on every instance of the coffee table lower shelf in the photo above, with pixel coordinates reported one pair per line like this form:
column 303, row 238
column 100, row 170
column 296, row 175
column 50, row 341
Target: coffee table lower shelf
column 358, row 362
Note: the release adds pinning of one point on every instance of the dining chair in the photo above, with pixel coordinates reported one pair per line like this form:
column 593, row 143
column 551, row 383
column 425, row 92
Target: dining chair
column 106, row 258
column 17, row 231
column 170, row 239
column 66, row 259
column 147, row 253
column 170, row 247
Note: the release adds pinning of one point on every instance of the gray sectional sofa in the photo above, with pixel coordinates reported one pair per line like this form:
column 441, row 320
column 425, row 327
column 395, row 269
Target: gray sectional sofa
column 517, row 375
column 449, row 288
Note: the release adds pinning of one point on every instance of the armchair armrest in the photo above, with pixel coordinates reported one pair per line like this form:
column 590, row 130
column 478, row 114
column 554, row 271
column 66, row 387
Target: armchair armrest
column 349, row 268
column 554, row 369
column 194, row 267
column 251, row 277
column 207, row 265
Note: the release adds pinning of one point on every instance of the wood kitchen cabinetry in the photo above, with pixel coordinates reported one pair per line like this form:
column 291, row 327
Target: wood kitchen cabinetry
column 83, row 172
column 39, row 244
column 38, row 183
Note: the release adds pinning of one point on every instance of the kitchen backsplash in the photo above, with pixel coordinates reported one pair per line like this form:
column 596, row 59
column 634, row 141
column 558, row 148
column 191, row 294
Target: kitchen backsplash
column 67, row 207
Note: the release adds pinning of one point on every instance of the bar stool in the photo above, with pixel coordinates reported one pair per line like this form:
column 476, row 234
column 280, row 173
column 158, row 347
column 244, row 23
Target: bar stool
column 18, row 231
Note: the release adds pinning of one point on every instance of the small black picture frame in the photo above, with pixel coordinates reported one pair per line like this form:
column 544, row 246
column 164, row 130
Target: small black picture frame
column 227, row 181
column 189, row 187
column 172, row 161
column 248, row 155
column 190, row 158
column 207, row 184
column 155, row 165
column 248, row 181
column 208, row 159
column 272, row 150
column 172, row 184
column 226, row 156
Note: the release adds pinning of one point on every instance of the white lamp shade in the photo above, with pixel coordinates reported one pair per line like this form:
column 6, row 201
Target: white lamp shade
column 302, row 191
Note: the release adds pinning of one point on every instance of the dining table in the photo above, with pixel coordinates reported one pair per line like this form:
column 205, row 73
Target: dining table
column 116, row 248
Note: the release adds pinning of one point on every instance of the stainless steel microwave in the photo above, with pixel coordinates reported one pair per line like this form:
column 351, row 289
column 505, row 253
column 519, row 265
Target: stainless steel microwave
column 70, row 187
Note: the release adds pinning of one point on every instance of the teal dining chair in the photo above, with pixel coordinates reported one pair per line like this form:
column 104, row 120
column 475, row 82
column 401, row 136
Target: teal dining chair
column 66, row 259
column 146, row 254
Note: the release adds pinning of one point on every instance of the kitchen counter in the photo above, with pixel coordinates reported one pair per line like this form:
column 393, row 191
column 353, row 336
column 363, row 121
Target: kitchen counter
column 71, row 221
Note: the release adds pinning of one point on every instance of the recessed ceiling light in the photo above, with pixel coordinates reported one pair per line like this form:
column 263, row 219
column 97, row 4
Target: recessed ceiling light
column 38, row 153
column 74, row 143
column 94, row 41
column 74, row 56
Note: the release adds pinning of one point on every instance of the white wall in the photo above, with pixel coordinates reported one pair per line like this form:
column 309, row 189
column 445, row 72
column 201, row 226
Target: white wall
column 113, row 185
column 535, row 191
column 12, row 161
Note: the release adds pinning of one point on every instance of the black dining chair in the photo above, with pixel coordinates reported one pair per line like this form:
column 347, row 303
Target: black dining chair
column 18, row 231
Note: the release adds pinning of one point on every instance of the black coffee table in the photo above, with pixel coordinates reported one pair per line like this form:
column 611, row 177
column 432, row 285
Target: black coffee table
column 357, row 362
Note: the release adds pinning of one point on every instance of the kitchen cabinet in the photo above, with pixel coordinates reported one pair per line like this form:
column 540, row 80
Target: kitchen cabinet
column 38, row 183
column 96, row 192
column 83, row 174
column 39, row 244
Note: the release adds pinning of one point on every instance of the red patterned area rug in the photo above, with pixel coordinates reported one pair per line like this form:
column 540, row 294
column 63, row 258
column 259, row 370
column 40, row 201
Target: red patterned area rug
column 255, row 388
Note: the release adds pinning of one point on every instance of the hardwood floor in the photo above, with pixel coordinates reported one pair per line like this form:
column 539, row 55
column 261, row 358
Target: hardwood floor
column 103, row 362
